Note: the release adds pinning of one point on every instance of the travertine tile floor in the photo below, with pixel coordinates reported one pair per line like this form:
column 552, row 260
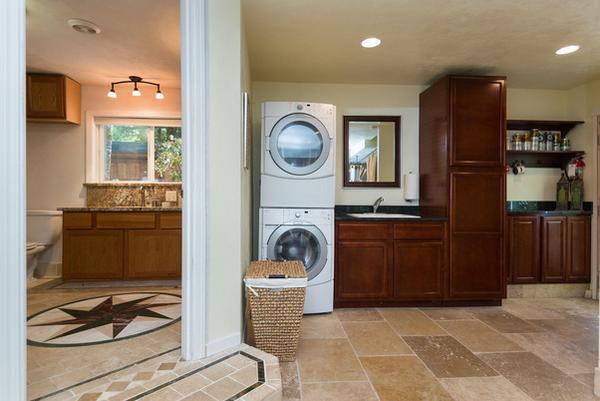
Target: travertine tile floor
column 147, row 366
column 531, row 348
column 535, row 348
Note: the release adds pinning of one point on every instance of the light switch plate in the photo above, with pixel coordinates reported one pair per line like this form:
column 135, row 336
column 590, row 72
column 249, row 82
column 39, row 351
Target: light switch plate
column 171, row 196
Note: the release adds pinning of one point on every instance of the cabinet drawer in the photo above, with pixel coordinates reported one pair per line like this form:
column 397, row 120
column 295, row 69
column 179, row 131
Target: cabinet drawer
column 126, row 220
column 362, row 231
column 77, row 220
column 406, row 231
column 170, row 220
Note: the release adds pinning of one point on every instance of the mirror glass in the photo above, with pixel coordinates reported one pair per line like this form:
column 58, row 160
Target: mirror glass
column 371, row 151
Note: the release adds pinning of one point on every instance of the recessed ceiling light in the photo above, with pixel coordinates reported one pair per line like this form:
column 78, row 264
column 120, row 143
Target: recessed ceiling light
column 567, row 49
column 370, row 42
column 83, row 26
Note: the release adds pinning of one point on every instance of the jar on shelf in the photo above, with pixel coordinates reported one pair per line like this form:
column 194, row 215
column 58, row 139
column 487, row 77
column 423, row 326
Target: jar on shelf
column 517, row 142
column 565, row 145
column 550, row 141
column 527, row 141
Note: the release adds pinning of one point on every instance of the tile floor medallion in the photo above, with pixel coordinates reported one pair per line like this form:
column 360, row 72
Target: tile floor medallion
column 103, row 319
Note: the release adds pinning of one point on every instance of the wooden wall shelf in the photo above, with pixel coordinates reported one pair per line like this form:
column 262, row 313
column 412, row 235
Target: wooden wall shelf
column 543, row 125
column 558, row 159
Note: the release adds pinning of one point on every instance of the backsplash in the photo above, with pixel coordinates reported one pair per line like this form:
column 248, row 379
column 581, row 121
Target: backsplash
column 130, row 194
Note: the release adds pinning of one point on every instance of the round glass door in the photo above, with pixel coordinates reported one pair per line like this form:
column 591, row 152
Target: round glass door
column 307, row 244
column 299, row 144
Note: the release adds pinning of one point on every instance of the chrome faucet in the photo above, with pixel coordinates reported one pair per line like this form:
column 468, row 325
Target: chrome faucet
column 377, row 203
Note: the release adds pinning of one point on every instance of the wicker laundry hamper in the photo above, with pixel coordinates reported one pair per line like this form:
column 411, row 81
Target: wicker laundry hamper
column 275, row 293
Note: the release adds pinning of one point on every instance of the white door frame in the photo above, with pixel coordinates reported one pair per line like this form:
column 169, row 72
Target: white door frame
column 194, row 123
column 13, row 364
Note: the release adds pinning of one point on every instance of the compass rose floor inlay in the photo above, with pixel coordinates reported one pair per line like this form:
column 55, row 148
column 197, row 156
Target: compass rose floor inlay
column 103, row 319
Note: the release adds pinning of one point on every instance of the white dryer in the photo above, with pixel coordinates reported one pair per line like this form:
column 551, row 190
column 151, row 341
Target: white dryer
column 305, row 235
column 298, row 155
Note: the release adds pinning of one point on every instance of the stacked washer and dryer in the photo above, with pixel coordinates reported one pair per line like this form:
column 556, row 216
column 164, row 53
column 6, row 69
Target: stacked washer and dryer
column 297, row 193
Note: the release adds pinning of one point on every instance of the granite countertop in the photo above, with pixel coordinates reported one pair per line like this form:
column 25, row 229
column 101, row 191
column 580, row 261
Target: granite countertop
column 120, row 209
column 342, row 211
column 544, row 207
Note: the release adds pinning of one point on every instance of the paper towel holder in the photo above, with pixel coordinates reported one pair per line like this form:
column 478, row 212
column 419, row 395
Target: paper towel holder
column 411, row 187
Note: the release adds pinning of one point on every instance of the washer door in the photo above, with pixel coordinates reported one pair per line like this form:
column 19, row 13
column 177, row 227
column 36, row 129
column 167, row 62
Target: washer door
column 299, row 144
column 304, row 243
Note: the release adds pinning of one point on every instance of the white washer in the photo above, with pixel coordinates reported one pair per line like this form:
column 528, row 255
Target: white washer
column 306, row 235
column 298, row 155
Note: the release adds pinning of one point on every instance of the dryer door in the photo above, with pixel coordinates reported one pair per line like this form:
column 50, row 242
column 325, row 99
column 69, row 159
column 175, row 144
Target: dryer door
column 299, row 144
column 304, row 243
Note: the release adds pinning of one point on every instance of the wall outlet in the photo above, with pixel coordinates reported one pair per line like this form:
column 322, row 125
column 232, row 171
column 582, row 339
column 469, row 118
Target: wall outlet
column 171, row 196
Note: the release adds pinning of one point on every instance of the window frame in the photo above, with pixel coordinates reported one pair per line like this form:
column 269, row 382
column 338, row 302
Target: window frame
column 94, row 141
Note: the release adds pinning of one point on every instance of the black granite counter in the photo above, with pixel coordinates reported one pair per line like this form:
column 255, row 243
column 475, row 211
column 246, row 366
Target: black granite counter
column 544, row 207
column 342, row 213
column 120, row 209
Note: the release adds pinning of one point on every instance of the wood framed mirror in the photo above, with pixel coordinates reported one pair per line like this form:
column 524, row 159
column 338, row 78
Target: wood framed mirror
column 372, row 151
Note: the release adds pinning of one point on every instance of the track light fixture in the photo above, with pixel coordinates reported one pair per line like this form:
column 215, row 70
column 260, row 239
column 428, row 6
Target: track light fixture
column 136, row 91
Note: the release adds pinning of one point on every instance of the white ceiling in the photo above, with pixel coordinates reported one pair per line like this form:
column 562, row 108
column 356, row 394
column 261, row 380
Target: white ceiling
column 318, row 41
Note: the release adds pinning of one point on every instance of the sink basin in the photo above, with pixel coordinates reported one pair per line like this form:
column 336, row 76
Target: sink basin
column 383, row 216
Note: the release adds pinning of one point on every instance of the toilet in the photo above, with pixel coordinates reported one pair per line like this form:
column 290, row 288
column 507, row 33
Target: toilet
column 43, row 230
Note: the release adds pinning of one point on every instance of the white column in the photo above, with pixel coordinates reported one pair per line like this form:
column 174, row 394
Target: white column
column 194, row 115
column 13, row 368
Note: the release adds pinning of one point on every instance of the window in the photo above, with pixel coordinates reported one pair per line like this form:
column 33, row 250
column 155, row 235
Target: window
column 134, row 149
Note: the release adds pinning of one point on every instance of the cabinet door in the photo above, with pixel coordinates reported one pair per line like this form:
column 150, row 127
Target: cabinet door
column 477, row 121
column 361, row 270
column 154, row 254
column 477, row 268
column 523, row 249
column 554, row 249
column 91, row 254
column 478, row 202
column 578, row 249
column 418, row 270
column 45, row 96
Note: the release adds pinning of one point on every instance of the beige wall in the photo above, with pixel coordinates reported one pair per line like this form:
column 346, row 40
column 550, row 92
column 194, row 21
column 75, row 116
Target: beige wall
column 350, row 100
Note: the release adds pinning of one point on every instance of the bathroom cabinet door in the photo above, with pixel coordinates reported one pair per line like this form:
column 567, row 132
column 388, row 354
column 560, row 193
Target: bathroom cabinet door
column 92, row 254
column 419, row 270
column 154, row 254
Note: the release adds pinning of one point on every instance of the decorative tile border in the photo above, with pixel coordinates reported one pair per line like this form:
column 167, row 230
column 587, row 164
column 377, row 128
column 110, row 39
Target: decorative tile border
column 164, row 371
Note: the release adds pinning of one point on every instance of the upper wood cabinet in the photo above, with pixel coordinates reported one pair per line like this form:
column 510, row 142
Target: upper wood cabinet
column 477, row 121
column 53, row 99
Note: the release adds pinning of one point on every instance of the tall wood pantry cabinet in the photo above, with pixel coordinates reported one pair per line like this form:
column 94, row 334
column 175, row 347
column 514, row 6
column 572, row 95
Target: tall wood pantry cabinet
column 462, row 131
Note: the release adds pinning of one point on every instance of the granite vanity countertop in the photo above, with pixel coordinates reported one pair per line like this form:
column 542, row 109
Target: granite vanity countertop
column 120, row 209
column 342, row 213
column 544, row 207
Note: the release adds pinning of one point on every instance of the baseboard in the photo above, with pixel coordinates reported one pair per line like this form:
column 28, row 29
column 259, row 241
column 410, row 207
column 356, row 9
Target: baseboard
column 558, row 290
column 47, row 270
column 223, row 344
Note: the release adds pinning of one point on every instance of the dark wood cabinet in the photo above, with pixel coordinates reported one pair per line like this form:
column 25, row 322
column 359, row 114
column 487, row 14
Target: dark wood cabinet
column 389, row 263
column 53, row 99
column 121, row 245
column 549, row 249
column 462, row 140
column 524, row 249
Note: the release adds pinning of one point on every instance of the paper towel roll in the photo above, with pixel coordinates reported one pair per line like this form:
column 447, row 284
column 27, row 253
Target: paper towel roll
column 411, row 186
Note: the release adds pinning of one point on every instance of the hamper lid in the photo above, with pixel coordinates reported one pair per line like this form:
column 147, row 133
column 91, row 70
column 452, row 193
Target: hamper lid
column 276, row 270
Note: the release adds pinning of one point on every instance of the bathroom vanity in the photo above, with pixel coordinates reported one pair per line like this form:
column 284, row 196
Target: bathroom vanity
column 121, row 243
